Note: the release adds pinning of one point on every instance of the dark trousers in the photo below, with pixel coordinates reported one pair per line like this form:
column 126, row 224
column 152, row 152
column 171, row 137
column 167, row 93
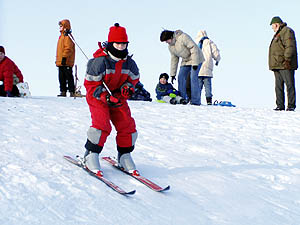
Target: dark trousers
column 66, row 79
column 285, row 77
column 15, row 91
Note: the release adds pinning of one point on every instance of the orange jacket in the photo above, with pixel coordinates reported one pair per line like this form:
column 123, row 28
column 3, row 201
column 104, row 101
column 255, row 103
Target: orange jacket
column 65, row 46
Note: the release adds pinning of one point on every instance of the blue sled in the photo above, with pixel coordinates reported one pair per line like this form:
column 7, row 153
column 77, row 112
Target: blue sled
column 224, row 103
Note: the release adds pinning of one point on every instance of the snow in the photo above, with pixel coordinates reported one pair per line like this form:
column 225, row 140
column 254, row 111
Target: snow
column 224, row 165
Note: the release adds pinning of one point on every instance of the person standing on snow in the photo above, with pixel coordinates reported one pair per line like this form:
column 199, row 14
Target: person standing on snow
column 210, row 52
column 181, row 45
column 283, row 61
column 65, row 57
column 10, row 75
column 114, row 68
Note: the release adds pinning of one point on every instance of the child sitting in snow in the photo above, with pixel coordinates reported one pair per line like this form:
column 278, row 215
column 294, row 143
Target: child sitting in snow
column 166, row 92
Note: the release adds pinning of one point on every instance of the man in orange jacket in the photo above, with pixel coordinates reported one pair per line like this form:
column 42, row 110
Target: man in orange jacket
column 9, row 75
column 65, row 57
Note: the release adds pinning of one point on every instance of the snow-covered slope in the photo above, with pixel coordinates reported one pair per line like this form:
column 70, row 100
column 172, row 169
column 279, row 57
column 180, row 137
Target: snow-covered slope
column 225, row 166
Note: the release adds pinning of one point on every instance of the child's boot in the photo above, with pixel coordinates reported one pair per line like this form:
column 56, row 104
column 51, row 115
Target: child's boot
column 173, row 101
column 62, row 94
column 91, row 157
column 126, row 162
column 91, row 161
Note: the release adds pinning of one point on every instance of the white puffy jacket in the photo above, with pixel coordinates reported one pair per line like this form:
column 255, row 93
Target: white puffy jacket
column 210, row 52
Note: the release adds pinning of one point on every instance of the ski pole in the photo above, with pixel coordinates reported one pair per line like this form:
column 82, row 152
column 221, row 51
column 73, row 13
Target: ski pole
column 72, row 38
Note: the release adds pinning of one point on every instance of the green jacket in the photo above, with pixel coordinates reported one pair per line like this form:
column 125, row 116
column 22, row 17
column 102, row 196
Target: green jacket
column 283, row 49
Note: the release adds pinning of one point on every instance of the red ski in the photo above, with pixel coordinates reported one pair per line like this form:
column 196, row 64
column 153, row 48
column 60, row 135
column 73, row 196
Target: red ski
column 137, row 176
column 98, row 176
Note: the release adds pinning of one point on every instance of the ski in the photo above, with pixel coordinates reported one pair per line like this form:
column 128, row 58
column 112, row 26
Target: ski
column 101, row 178
column 137, row 176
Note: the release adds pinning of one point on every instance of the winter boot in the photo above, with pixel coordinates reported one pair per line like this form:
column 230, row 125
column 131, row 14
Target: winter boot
column 183, row 101
column 279, row 109
column 91, row 161
column 72, row 94
column 173, row 101
column 62, row 94
column 209, row 100
column 125, row 162
column 290, row 109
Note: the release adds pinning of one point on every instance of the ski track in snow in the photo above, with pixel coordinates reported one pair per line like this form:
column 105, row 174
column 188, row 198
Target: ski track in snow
column 224, row 165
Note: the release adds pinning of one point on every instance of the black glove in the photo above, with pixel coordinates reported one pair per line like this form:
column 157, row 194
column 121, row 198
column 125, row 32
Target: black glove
column 172, row 79
column 67, row 32
column 63, row 61
column 113, row 101
column 104, row 44
column 217, row 63
column 195, row 67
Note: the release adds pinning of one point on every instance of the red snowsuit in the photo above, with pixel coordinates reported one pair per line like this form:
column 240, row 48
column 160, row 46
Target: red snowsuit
column 7, row 69
column 114, row 73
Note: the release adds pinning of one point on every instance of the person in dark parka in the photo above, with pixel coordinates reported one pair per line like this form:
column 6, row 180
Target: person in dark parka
column 283, row 62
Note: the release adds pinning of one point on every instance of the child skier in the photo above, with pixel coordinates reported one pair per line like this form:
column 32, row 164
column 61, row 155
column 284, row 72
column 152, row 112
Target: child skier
column 166, row 92
column 113, row 69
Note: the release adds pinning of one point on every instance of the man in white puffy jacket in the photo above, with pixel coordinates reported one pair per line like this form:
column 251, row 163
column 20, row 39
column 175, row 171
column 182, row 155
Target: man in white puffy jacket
column 181, row 45
column 210, row 52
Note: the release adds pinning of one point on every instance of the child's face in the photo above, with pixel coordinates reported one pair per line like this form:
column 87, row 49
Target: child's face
column 61, row 28
column 120, row 45
column 2, row 55
column 162, row 80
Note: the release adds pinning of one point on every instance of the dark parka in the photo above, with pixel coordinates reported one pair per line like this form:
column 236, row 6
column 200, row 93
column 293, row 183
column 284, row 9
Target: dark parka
column 283, row 48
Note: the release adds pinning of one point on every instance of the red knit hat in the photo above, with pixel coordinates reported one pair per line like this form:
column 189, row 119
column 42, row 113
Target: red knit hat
column 117, row 34
column 2, row 49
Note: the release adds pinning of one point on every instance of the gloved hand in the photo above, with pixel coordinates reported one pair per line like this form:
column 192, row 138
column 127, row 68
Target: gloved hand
column 127, row 91
column 173, row 91
column 172, row 95
column 287, row 64
column 217, row 63
column 195, row 67
column 63, row 61
column 104, row 44
column 67, row 32
column 172, row 79
column 113, row 101
column 9, row 94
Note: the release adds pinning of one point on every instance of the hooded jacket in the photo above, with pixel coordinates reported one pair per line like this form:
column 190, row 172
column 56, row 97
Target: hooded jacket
column 65, row 46
column 283, row 48
column 210, row 52
column 184, row 47
column 8, row 72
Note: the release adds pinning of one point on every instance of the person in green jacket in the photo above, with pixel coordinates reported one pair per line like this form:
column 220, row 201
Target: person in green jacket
column 283, row 62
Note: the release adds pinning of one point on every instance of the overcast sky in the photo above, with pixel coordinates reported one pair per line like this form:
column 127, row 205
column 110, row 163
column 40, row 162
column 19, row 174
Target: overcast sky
column 241, row 29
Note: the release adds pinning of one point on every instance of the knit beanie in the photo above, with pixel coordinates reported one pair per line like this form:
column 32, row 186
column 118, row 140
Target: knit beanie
column 166, row 35
column 164, row 75
column 276, row 19
column 117, row 34
column 2, row 49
